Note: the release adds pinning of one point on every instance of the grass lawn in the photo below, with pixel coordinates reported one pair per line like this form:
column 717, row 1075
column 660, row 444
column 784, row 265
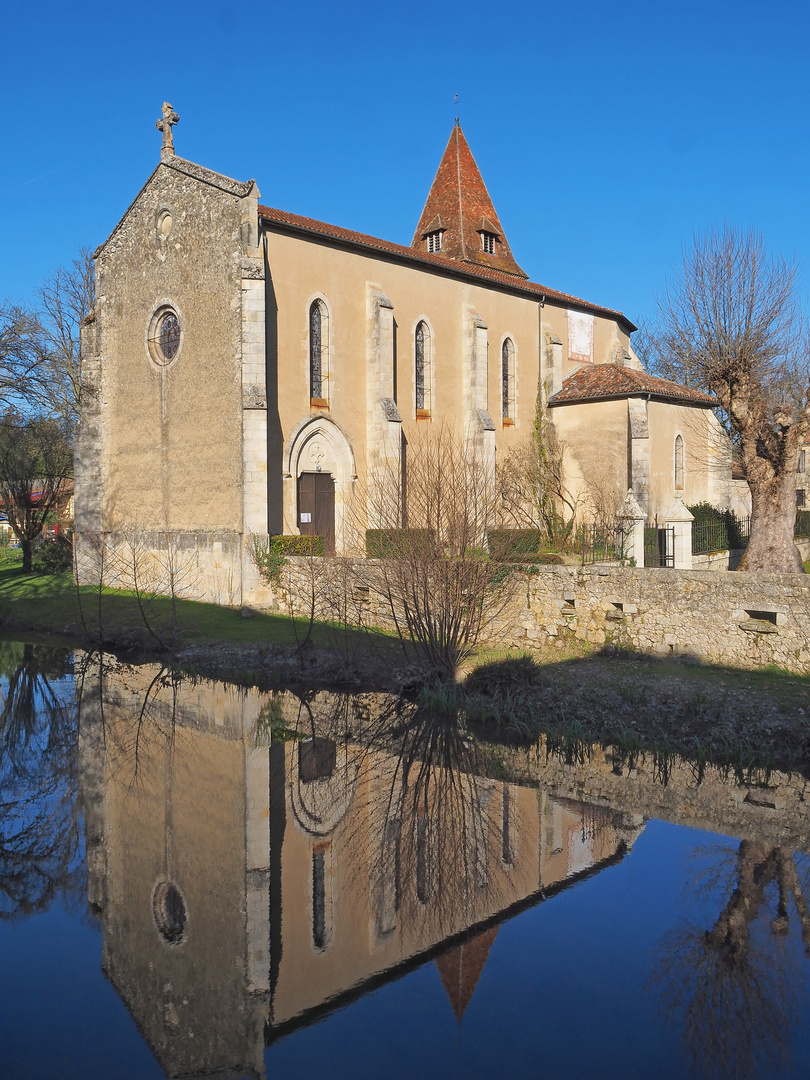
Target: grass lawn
column 51, row 604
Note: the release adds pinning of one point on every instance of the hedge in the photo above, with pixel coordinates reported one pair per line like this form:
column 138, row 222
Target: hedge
column 391, row 543
column 513, row 543
column 298, row 545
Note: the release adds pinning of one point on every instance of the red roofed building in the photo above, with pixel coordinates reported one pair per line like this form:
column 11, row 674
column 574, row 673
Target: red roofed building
column 252, row 365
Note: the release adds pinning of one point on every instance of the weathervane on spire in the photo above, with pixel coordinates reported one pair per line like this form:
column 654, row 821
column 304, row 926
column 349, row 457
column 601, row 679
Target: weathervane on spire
column 455, row 102
column 170, row 118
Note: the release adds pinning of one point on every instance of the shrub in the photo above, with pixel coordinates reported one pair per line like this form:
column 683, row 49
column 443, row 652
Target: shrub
column 53, row 556
column 392, row 543
column 731, row 532
column 270, row 554
column 298, row 545
column 512, row 543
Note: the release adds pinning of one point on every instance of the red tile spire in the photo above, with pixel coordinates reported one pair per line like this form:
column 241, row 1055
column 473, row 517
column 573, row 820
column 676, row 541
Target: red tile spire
column 460, row 969
column 459, row 208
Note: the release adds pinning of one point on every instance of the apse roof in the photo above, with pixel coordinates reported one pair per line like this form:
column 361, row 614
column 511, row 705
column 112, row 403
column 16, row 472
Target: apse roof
column 599, row 381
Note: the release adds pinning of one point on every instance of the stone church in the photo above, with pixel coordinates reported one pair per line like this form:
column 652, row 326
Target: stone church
column 249, row 366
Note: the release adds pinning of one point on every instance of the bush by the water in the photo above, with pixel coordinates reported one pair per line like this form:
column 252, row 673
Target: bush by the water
column 53, row 556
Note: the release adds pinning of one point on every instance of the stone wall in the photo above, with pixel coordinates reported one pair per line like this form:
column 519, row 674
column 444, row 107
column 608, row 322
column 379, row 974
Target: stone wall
column 742, row 619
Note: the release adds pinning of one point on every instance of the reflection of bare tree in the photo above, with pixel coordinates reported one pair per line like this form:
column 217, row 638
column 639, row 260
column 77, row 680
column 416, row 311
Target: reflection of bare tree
column 432, row 825
column 730, row 990
column 38, row 778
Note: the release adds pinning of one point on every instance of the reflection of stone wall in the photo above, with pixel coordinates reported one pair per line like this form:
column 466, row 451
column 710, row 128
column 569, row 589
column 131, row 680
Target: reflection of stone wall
column 774, row 813
column 700, row 613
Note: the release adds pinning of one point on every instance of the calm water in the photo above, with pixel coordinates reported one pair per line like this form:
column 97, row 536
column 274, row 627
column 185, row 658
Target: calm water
column 197, row 880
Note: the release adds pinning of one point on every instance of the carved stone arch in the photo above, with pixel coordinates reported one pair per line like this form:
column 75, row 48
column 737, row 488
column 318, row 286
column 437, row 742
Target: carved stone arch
column 317, row 444
column 319, row 806
column 428, row 407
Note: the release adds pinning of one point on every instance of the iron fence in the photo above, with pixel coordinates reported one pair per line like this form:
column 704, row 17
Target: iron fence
column 604, row 543
column 723, row 533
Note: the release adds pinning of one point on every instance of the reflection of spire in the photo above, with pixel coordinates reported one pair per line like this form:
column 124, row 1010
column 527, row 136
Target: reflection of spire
column 460, row 969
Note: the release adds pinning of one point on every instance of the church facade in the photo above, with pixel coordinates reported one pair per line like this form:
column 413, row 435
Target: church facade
column 248, row 368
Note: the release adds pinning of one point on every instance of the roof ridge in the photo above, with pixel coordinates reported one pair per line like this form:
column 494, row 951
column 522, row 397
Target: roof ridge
column 437, row 261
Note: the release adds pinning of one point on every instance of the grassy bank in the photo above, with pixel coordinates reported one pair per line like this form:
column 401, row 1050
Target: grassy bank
column 576, row 696
column 52, row 605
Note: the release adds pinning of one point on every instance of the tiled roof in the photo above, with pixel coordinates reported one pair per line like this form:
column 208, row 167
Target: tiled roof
column 592, row 382
column 459, row 198
column 439, row 262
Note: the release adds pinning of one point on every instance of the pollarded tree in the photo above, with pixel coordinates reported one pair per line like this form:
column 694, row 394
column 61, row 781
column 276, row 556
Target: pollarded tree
column 36, row 463
column 730, row 321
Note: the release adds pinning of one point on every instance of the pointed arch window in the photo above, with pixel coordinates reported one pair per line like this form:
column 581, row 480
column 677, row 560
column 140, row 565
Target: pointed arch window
column 422, row 370
column 508, row 381
column 679, row 463
column 318, row 353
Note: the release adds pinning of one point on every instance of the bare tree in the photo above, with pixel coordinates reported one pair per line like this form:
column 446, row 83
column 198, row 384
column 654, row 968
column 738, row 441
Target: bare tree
column 730, row 321
column 19, row 352
column 435, row 575
column 35, row 464
column 64, row 299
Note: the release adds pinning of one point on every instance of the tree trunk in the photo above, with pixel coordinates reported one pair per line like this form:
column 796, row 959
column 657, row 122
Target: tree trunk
column 26, row 554
column 773, row 520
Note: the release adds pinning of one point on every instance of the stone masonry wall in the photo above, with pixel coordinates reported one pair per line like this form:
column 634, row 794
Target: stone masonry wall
column 741, row 619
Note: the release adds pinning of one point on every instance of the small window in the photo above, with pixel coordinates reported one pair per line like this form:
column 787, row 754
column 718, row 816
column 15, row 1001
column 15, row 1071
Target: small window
column 318, row 900
column 801, row 464
column 318, row 353
column 422, row 370
column 800, row 496
column 488, row 242
column 434, row 241
column 679, row 464
column 508, row 381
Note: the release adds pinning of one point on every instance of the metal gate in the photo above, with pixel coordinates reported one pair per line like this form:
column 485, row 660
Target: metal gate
column 659, row 546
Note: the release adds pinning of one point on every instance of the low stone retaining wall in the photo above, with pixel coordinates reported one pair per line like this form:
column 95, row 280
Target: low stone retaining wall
column 743, row 619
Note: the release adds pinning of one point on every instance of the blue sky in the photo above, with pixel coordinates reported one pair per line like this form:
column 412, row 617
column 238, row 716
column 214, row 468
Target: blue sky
column 606, row 132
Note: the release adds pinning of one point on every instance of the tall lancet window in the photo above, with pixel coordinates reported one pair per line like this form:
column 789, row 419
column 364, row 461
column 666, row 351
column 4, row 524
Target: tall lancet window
column 679, row 464
column 508, row 380
column 422, row 369
column 318, row 353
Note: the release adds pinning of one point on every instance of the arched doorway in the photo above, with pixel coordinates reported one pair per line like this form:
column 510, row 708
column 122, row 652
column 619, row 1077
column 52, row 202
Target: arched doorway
column 320, row 475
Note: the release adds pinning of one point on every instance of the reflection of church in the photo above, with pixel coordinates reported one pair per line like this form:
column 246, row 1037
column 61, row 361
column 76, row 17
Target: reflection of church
column 258, row 861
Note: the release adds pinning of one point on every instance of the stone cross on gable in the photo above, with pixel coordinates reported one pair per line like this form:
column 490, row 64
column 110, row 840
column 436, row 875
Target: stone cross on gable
column 170, row 118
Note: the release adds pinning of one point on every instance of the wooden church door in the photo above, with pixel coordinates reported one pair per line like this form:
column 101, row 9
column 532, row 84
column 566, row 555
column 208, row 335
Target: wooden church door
column 316, row 507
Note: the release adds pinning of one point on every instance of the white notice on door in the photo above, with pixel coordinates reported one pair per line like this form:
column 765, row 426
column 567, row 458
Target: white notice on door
column 305, row 518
